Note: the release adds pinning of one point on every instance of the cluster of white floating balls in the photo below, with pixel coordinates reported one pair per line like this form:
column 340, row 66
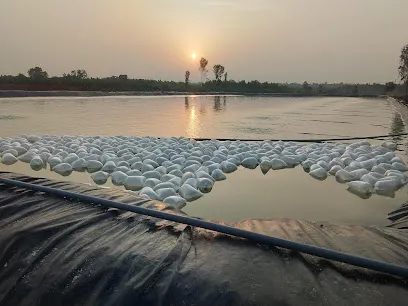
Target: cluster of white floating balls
column 177, row 170
column 367, row 169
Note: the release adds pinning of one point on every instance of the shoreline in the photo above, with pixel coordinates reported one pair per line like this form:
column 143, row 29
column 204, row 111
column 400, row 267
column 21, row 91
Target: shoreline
column 62, row 93
column 401, row 107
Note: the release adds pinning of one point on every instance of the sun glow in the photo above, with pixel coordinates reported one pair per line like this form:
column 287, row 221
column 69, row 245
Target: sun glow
column 193, row 56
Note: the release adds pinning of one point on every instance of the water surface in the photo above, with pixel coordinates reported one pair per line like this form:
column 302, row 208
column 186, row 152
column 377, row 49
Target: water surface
column 289, row 193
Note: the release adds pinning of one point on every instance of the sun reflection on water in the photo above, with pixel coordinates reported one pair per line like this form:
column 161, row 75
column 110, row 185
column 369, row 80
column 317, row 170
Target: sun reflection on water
column 194, row 127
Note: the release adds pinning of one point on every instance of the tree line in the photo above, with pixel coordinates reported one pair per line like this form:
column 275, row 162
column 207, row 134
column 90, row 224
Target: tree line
column 38, row 79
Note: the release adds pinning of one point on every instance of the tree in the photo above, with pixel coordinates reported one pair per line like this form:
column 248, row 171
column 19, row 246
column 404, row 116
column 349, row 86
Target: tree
column 389, row 87
column 355, row 90
column 306, row 87
column 187, row 78
column 226, row 77
column 320, row 89
column 79, row 74
column 218, row 72
column 403, row 68
column 37, row 73
column 21, row 77
column 202, row 68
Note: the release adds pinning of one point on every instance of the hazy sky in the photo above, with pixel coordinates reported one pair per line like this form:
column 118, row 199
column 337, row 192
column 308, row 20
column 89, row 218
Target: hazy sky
column 268, row 40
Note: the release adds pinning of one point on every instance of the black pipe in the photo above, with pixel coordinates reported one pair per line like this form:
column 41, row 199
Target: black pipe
column 307, row 140
column 255, row 237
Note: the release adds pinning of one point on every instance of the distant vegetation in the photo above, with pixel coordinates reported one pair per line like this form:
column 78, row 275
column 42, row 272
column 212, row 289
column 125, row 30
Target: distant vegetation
column 78, row 80
column 403, row 68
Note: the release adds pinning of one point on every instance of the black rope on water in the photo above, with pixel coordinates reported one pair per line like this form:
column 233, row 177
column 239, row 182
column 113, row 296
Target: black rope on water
column 306, row 140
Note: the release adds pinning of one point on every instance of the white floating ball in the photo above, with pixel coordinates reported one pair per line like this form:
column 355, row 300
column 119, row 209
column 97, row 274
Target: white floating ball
column 176, row 181
column 389, row 145
column 45, row 156
column 218, row 175
column 176, row 172
column 149, row 192
column 265, row 165
column 205, row 185
column 175, row 201
column 93, row 166
column 362, row 189
column 11, row 151
column 100, row 177
column 164, row 185
column 53, row 161
column 152, row 174
column 79, row 165
column 278, row 164
column 109, row 166
column 334, row 169
column 386, row 185
column 37, row 163
column 189, row 193
column 192, row 168
column 8, row 159
column 250, row 163
column 368, row 178
column 134, row 183
column 359, row 173
column 164, row 193
column 400, row 167
column 343, row 176
column 27, row 157
column 186, row 176
column 118, row 178
column 152, row 182
column 228, row 167
column 319, row 174
column 63, row 169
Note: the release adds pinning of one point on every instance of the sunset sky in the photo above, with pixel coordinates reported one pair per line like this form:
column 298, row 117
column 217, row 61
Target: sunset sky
column 268, row 40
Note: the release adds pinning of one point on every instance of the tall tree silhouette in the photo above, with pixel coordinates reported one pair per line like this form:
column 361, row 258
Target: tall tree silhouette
column 218, row 72
column 403, row 68
column 187, row 78
column 203, row 69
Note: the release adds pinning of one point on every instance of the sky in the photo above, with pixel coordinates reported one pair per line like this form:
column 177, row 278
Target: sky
column 268, row 40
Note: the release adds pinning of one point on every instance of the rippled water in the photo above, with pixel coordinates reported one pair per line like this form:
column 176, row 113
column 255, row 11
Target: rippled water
column 246, row 193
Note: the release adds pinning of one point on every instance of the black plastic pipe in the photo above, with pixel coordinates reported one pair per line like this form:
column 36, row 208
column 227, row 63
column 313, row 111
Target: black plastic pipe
column 308, row 140
column 252, row 236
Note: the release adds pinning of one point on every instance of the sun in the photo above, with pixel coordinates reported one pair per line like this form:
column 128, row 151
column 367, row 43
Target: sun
column 193, row 56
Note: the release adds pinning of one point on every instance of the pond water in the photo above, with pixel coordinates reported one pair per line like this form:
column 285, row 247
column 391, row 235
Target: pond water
column 289, row 193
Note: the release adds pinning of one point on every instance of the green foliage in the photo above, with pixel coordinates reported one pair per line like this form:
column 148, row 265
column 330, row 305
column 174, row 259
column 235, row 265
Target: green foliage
column 355, row 90
column 79, row 74
column 389, row 87
column 187, row 78
column 403, row 68
column 218, row 72
column 203, row 68
column 37, row 73
column 307, row 89
column 78, row 80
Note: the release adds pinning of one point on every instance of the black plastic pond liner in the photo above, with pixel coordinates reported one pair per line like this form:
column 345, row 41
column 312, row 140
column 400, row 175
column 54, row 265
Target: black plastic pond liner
column 358, row 261
column 63, row 252
column 399, row 217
